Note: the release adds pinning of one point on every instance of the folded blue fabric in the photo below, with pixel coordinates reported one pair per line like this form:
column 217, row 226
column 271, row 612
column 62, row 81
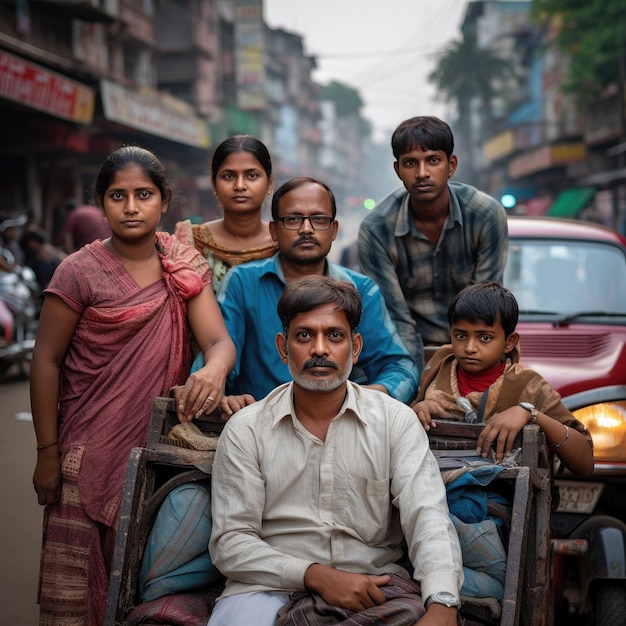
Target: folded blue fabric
column 467, row 495
column 177, row 558
column 484, row 558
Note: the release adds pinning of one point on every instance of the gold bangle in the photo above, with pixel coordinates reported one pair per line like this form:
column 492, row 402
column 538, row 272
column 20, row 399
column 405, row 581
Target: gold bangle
column 47, row 445
column 558, row 445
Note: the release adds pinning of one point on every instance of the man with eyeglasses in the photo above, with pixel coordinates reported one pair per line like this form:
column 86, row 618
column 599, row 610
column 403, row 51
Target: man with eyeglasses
column 304, row 226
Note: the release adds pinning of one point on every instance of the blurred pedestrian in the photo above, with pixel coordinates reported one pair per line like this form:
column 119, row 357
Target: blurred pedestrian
column 84, row 224
column 41, row 256
column 10, row 230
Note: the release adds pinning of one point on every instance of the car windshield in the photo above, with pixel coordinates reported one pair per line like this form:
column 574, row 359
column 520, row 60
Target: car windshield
column 567, row 277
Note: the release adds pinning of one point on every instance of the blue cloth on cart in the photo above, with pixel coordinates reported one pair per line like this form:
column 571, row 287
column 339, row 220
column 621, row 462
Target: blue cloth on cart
column 468, row 495
column 177, row 558
column 484, row 558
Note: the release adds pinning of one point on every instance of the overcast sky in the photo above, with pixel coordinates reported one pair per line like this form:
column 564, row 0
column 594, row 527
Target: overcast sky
column 385, row 49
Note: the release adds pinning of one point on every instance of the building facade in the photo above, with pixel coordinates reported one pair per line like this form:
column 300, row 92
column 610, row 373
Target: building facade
column 79, row 78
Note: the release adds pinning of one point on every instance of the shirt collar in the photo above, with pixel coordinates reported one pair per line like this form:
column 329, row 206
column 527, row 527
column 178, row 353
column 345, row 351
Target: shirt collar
column 406, row 225
column 404, row 219
column 275, row 267
column 280, row 402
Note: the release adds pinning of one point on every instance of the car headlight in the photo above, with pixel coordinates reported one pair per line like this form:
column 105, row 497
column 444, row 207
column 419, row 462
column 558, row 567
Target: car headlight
column 607, row 424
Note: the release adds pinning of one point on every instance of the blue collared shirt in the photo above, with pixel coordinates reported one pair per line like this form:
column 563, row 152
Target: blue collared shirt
column 248, row 297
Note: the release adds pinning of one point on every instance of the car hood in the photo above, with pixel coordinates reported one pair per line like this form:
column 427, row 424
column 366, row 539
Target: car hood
column 576, row 357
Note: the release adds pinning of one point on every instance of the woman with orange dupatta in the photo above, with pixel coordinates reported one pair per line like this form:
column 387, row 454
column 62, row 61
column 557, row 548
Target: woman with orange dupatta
column 241, row 176
column 114, row 333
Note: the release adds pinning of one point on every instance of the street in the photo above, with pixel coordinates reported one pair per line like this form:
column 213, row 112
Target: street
column 20, row 529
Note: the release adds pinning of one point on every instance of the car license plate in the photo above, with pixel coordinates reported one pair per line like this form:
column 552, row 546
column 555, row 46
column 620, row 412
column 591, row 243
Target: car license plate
column 577, row 496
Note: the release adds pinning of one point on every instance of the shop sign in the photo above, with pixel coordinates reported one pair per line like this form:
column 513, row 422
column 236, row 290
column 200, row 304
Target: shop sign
column 545, row 158
column 499, row 146
column 250, row 55
column 33, row 86
column 529, row 163
column 568, row 153
column 154, row 115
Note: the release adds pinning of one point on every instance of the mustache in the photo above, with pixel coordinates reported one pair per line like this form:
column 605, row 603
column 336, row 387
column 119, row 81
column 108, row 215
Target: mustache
column 305, row 238
column 319, row 361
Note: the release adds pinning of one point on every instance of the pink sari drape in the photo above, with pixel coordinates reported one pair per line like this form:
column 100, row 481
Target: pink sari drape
column 131, row 345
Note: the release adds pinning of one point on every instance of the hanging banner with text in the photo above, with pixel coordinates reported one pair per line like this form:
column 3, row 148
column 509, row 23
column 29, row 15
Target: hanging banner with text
column 38, row 88
column 250, row 55
column 169, row 118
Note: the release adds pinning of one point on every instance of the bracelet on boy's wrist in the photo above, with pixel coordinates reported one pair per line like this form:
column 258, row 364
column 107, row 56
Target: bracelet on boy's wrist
column 558, row 445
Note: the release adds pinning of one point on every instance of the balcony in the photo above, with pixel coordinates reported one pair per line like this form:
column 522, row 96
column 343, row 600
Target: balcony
column 87, row 10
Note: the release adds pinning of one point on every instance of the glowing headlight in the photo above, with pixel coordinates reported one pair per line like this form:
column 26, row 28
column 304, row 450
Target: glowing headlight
column 607, row 424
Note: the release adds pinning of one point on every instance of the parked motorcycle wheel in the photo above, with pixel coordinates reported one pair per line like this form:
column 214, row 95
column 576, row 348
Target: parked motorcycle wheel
column 609, row 599
column 19, row 369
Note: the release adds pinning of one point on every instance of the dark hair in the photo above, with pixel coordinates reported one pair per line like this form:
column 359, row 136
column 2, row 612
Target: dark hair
column 309, row 292
column 68, row 205
column 122, row 158
column 32, row 235
column 487, row 302
column 426, row 132
column 241, row 143
column 294, row 183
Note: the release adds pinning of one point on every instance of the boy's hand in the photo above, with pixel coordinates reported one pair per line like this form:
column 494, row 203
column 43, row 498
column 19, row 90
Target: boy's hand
column 501, row 431
column 427, row 409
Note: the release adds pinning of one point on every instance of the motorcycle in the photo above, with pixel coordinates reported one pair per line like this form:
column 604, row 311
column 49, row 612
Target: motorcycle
column 19, row 296
column 588, row 521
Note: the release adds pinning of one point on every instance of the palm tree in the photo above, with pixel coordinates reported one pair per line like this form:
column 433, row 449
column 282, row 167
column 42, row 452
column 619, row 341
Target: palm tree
column 465, row 72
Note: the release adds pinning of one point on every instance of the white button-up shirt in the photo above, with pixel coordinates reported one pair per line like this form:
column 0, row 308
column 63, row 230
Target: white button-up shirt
column 283, row 499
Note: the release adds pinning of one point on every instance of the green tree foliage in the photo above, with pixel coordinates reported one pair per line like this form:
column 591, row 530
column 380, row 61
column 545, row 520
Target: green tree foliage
column 347, row 100
column 465, row 71
column 593, row 35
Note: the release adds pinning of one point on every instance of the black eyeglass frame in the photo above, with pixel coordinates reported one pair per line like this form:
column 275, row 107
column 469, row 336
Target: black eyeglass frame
column 300, row 221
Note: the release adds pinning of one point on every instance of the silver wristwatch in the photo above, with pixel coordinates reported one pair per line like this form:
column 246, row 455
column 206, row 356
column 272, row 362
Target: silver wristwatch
column 443, row 597
column 531, row 408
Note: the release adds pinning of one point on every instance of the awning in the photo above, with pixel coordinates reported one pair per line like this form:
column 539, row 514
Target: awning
column 570, row 202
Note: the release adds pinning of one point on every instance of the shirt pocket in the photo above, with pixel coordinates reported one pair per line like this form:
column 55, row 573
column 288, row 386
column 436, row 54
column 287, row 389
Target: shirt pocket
column 462, row 276
column 364, row 505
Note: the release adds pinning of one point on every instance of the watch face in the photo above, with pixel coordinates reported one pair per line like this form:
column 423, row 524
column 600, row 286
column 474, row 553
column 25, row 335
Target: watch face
column 444, row 597
column 527, row 405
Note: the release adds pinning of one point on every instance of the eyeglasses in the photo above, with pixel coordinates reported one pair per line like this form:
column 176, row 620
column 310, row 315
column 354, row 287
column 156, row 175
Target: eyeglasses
column 318, row 222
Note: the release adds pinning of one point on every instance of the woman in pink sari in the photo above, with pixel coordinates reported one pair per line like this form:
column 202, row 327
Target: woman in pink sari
column 115, row 331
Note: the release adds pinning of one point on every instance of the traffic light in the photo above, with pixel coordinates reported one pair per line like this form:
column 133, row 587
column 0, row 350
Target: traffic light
column 508, row 200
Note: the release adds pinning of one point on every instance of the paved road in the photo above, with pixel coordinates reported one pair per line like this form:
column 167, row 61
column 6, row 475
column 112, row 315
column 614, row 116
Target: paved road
column 20, row 515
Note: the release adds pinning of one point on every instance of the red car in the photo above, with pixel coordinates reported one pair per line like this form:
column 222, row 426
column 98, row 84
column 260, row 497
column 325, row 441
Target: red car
column 569, row 278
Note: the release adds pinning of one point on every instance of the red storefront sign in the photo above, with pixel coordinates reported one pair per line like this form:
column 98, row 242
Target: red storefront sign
column 38, row 88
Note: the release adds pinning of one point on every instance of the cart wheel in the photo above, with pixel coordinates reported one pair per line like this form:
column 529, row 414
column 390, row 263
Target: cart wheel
column 610, row 603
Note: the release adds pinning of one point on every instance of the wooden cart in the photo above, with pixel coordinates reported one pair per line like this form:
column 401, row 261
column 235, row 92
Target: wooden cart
column 528, row 598
column 160, row 467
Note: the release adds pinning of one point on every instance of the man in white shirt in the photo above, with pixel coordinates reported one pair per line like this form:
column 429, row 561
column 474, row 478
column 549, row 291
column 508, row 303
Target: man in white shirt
column 315, row 487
